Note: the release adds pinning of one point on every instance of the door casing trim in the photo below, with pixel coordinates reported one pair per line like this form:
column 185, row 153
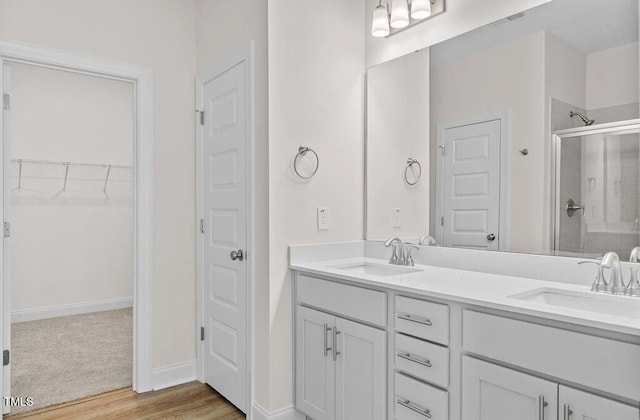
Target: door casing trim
column 142, row 79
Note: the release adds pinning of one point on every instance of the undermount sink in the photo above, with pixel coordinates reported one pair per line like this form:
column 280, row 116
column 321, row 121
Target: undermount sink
column 624, row 306
column 375, row 269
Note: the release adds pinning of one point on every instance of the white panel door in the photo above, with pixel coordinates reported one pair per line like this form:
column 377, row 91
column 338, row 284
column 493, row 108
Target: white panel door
column 361, row 377
column 315, row 369
column 225, row 222
column 578, row 405
column 491, row 392
column 471, row 186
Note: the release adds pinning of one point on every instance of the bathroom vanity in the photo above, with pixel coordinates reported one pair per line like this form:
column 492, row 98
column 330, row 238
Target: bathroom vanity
column 379, row 341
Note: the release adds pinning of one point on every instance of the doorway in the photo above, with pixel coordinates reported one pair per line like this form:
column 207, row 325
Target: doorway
column 140, row 79
column 224, row 198
column 70, row 146
column 471, row 184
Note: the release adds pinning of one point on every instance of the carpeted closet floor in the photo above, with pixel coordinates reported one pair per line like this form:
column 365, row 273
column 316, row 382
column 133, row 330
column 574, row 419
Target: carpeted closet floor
column 63, row 359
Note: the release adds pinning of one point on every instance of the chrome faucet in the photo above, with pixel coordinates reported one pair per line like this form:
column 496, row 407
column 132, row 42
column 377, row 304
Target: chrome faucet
column 634, row 257
column 409, row 258
column 430, row 241
column 397, row 255
column 616, row 284
column 633, row 288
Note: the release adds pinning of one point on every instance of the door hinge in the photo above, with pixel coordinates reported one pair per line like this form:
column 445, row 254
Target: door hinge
column 6, row 357
column 201, row 225
column 6, row 101
column 6, row 229
column 201, row 117
column 201, row 333
column 442, row 221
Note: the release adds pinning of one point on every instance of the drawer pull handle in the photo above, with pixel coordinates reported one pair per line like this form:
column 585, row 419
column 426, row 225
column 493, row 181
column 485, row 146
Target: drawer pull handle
column 327, row 328
column 567, row 411
column 417, row 320
column 415, row 407
column 415, row 359
column 541, row 405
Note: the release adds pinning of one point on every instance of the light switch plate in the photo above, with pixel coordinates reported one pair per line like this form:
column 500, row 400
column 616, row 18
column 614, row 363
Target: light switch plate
column 395, row 217
column 323, row 218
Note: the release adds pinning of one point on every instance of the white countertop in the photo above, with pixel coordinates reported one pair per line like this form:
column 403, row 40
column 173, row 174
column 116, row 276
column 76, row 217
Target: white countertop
column 481, row 289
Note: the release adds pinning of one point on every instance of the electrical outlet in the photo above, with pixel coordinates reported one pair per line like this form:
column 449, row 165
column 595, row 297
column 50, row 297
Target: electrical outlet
column 395, row 218
column 323, row 218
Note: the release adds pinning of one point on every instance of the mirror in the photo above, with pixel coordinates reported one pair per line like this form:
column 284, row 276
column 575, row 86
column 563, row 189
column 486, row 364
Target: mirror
column 493, row 100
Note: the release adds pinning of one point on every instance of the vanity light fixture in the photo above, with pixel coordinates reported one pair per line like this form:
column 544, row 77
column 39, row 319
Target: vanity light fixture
column 394, row 16
column 420, row 9
column 380, row 25
column 399, row 14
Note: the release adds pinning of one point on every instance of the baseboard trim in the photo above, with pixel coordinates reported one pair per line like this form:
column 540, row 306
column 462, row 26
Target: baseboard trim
column 72, row 309
column 288, row 413
column 173, row 375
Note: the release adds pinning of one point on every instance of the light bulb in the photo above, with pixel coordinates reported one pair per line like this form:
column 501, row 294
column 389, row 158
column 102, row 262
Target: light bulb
column 399, row 14
column 380, row 25
column 420, row 9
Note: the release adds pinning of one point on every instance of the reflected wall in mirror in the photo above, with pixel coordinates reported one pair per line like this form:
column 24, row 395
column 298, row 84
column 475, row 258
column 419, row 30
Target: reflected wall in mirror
column 496, row 97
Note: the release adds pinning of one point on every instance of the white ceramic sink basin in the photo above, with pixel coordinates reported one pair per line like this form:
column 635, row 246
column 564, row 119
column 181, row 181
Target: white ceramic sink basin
column 624, row 306
column 374, row 269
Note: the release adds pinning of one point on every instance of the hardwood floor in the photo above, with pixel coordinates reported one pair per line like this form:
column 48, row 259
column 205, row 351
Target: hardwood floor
column 189, row 401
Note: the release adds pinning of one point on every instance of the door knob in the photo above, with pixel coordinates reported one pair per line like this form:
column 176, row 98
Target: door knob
column 237, row 255
column 491, row 237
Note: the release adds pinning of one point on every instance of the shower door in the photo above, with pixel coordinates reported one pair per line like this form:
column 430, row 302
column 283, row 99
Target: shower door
column 597, row 200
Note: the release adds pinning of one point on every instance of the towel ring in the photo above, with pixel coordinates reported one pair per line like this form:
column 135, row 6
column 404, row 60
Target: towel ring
column 302, row 150
column 410, row 163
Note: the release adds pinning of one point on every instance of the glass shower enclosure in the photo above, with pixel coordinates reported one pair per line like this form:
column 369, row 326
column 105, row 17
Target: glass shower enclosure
column 597, row 190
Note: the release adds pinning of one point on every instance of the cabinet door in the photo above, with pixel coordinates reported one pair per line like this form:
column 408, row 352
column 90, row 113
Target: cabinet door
column 361, row 371
column 491, row 392
column 578, row 405
column 315, row 374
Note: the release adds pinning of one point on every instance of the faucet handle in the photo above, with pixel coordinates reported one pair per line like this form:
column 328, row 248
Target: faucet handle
column 633, row 288
column 409, row 258
column 600, row 283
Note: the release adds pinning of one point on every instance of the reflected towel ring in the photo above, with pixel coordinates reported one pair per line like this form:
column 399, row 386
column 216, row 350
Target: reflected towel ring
column 410, row 163
column 302, row 150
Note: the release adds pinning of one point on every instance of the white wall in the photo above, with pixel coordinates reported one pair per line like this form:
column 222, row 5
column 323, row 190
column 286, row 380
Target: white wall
column 76, row 246
column 460, row 16
column 612, row 77
column 237, row 23
column 398, row 129
column 159, row 34
column 316, row 99
column 505, row 79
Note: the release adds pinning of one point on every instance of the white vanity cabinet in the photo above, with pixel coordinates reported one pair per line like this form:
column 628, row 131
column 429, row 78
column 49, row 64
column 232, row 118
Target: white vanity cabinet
column 493, row 392
column 340, row 364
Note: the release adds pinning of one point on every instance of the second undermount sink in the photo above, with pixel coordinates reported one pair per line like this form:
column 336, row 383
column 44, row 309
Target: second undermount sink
column 624, row 306
column 376, row 269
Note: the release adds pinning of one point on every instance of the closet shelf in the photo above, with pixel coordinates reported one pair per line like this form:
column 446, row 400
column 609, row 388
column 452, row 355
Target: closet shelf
column 84, row 171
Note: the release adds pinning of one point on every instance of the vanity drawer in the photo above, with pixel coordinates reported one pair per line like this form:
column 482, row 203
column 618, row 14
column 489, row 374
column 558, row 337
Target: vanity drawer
column 354, row 302
column 422, row 319
column 424, row 360
column 413, row 398
column 597, row 362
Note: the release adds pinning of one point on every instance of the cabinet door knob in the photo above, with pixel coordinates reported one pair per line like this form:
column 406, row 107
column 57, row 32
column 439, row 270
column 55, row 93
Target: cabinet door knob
column 491, row 237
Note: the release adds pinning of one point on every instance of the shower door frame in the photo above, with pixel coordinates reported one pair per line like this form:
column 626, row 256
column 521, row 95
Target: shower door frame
column 142, row 80
column 556, row 159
